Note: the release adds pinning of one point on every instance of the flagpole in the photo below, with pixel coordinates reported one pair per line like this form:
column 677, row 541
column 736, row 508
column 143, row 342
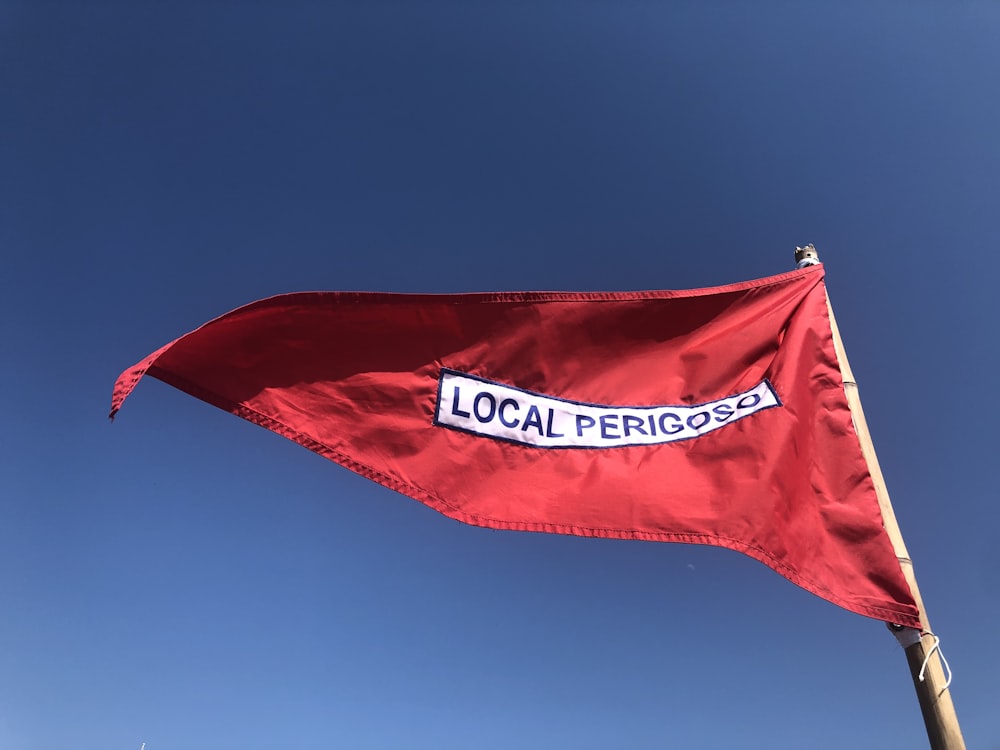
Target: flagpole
column 922, row 654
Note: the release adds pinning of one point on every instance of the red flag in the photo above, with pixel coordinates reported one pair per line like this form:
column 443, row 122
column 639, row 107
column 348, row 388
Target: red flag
column 711, row 416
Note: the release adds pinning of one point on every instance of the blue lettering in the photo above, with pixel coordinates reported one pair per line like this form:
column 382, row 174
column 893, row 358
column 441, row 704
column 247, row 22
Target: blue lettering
column 723, row 412
column 606, row 425
column 631, row 422
column 454, row 406
column 493, row 406
column 534, row 419
column 548, row 429
column 754, row 400
column 675, row 428
column 503, row 404
column 696, row 417
column 583, row 422
column 652, row 424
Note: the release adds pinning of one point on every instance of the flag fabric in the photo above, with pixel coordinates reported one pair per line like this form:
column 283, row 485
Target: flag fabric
column 711, row 416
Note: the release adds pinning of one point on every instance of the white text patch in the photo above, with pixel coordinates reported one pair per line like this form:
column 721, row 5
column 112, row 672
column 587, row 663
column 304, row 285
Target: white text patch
column 499, row 411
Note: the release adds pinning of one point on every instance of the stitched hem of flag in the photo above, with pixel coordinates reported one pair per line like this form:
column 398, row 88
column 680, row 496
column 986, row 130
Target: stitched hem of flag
column 325, row 298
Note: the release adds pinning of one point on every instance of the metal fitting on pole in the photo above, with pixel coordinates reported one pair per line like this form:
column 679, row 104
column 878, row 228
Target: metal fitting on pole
column 806, row 256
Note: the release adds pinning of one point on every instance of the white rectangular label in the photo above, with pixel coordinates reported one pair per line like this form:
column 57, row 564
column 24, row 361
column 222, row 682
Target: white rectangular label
column 484, row 407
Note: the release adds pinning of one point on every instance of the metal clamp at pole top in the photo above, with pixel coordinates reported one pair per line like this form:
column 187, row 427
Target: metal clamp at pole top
column 806, row 256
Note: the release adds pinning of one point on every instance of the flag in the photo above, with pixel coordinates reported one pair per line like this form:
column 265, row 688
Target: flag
column 710, row 416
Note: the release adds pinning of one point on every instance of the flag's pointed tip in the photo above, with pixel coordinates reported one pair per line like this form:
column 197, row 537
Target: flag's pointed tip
column 118, row 398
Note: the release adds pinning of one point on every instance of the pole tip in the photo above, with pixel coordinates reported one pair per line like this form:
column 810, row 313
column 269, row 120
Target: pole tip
column 806, row 256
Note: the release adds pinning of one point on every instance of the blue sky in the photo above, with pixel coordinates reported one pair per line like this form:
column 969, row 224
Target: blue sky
column 185, row 579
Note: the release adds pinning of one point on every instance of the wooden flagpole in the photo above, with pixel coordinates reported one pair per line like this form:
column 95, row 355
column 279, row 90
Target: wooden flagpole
column 936, row 706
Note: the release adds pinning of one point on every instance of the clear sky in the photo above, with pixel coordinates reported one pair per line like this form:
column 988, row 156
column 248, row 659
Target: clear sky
column 186, row 579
